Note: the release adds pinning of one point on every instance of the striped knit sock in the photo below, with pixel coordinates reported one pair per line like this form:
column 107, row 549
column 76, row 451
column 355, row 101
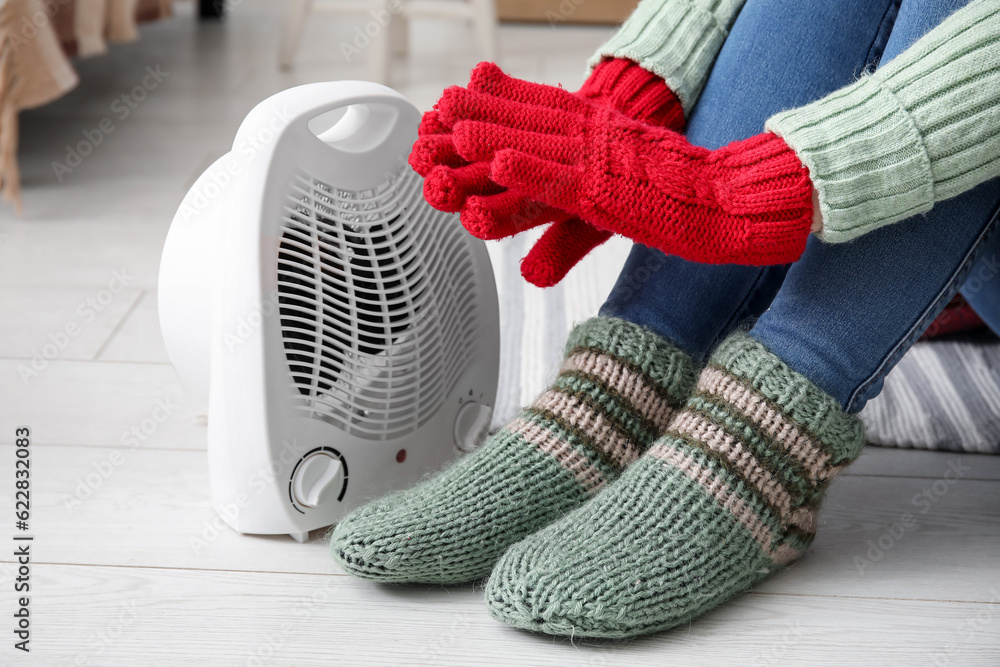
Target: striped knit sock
column 725, row 497
column 616, row 392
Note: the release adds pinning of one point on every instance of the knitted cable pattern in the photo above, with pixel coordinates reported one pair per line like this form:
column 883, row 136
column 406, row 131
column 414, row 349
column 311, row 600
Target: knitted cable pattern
column 616, row 391
column 725, row 497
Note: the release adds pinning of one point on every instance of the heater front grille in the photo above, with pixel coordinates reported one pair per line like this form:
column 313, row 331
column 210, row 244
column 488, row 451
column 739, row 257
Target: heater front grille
column 378, row 307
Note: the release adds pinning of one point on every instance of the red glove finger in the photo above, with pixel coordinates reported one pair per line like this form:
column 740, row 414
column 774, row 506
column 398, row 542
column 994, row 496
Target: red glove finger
column 434, row 150
column 430, row 123
column 478, row 141
column 560, row 248
column 446, row 189
column 508, row 213
column 457, row 104
column 488, row 78
column 549, row 182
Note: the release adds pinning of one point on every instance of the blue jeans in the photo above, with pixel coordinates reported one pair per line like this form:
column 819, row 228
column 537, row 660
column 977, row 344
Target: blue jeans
column 843, row 314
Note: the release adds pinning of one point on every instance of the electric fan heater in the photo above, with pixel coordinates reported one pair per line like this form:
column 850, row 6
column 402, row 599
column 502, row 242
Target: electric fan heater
column 343, row 334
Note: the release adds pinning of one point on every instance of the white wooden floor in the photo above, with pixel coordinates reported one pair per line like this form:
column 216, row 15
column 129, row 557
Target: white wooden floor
column 134, row 569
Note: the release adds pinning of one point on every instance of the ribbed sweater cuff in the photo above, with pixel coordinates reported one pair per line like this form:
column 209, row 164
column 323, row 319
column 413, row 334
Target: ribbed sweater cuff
column 866, row 157
column 677, row 40
column 924, row 127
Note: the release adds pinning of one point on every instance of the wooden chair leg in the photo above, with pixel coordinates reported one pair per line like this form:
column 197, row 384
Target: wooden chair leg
column 485, row 24
column 291, row 39
column 380, row 50
column 399, row 33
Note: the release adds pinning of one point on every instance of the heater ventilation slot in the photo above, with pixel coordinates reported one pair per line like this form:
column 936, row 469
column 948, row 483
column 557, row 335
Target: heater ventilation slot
column 377, row 304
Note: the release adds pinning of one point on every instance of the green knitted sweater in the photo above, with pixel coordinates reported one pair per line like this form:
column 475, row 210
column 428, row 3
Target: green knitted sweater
column 921, row 129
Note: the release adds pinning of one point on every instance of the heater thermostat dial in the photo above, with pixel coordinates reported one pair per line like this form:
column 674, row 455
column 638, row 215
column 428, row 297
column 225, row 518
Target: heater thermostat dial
column 471, row 424
column 318, row 479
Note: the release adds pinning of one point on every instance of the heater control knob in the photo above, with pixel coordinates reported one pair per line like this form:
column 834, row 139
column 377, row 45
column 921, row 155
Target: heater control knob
column 318, row 478
column 471, row 424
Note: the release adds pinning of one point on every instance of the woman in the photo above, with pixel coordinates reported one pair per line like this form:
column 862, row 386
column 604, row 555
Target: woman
column 704, row 412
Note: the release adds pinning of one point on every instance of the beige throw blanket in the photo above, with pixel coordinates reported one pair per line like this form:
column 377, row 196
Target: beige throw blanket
column 36, row 38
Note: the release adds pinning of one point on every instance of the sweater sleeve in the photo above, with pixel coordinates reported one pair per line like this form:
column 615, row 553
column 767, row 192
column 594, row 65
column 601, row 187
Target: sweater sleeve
column 677, row 40
column 921, row 129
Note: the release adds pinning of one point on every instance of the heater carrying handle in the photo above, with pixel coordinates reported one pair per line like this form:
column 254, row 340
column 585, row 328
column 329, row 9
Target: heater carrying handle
column 362, row 125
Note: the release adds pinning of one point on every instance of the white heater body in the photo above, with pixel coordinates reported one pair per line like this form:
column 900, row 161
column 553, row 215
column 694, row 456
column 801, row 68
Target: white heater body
column 343, row 334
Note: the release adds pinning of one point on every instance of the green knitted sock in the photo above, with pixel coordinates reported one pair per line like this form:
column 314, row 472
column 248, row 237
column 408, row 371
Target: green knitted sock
column 616, row 391
column 725, row 497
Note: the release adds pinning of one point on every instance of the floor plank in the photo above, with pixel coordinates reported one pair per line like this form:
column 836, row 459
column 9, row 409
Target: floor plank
column 152, row 509
column 138, row 616
column 67, row 250
column 138, row 338
column 891, row 461
column 101, row 403
column 63, row 323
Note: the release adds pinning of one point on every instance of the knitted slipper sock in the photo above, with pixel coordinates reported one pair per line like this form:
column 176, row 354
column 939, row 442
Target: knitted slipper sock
column 724, row 498
column 616, row 392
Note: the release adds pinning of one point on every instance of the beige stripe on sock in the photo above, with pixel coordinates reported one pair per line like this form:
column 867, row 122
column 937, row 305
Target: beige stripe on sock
column 809, row 453
column 607, row 437
column 718, row 489
column 695, row 426
column 588, row 475
column 631, row 385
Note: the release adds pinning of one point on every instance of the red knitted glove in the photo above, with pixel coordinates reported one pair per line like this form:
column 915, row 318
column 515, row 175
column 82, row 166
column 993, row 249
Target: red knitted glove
column 491, row 212
column 748, row 203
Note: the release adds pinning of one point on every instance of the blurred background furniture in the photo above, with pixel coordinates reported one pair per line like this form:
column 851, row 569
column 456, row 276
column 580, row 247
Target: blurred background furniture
column 602, row 12
column 386, row 31
column 36, row 41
